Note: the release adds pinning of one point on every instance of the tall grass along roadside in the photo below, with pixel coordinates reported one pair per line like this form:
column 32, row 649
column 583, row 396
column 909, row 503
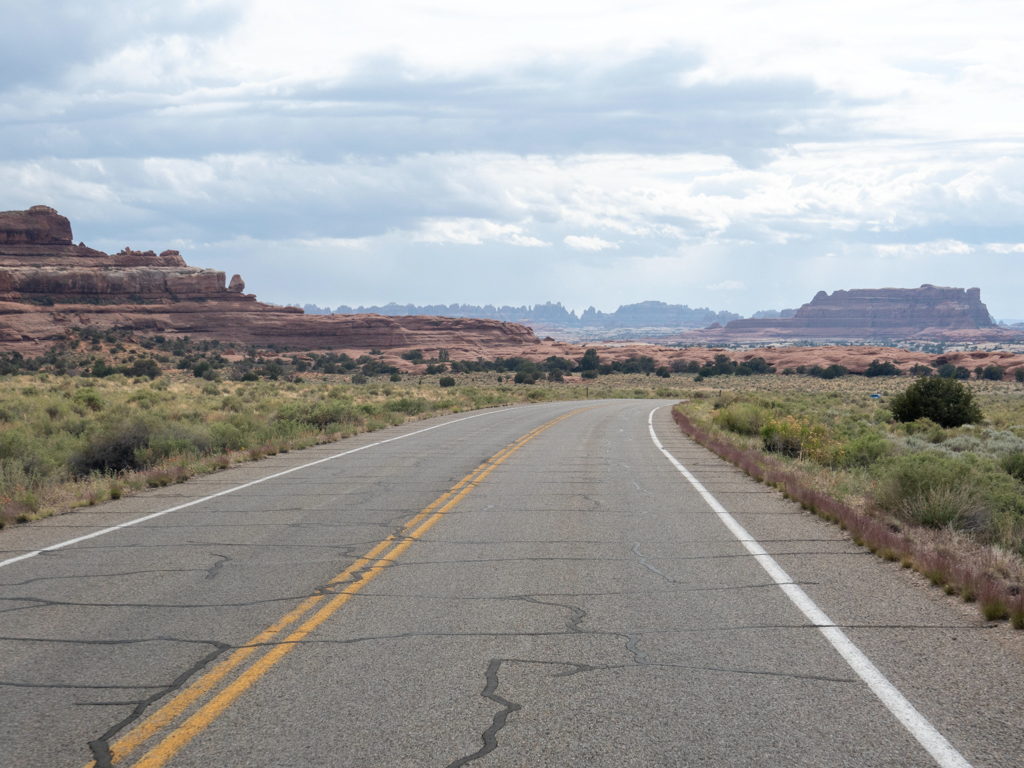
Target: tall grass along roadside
column 947, row 501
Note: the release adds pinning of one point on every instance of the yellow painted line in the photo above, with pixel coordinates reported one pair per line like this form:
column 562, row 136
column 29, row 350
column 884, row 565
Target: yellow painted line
column 162, row 717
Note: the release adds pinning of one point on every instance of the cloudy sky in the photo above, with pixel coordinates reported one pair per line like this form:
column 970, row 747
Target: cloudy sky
column 738, row 155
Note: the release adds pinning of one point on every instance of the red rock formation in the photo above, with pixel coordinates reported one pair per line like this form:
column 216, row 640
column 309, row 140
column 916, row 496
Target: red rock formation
column 48, row 284
column 925, row 312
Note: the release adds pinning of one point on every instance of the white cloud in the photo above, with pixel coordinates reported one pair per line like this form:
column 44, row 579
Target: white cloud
column 934, row 248
column 728, row 285
column 583, row 243
column 1005, row 247
column 474, row 232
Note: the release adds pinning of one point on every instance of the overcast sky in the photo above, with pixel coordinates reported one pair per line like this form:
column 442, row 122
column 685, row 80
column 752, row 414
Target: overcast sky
column 737, row 155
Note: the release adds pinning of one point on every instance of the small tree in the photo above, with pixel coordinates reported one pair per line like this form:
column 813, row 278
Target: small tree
column 1019, row 374
column 590, row 360
column 993, row 372
column 878, row 368
column 947, row 402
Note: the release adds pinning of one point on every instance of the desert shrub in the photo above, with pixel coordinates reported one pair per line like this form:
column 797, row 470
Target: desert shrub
column 589, row 374
column 396, row 376
column 798, row 438
column 409, row 405
column 225, row 436
column 926, row 430
column 119, row 444
column 993, row 372
column 89, row 398
column 663, row 372
column 144, row 367
column 1013, row 463
column 685, row 366
column 962, row 491
column 928, row 488
column 1019, row 374
column 590, row 360
column 173, row 438
column 449, row 381
column 834, row 371
column 865, row 450
column 947, row 402
column 556, row 376
column 876, row 368
column 358, row 378
column 741, row 418
column 921, row 370
column 232, row 403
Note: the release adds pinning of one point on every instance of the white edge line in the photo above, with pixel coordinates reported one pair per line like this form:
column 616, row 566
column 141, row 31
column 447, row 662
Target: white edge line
column 192, row 503
column 934, row 742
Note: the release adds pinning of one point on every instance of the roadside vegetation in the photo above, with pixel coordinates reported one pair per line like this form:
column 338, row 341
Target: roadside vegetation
column 928, row 472
column 103, row 415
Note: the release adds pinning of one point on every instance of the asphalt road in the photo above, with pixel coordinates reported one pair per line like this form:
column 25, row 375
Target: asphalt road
column 531, row 586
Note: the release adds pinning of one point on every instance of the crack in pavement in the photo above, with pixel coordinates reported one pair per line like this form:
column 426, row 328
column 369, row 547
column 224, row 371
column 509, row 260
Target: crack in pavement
column 490, row 736
column 214, row 570
column 78, row 577
column 100, row 747
column 648, row 566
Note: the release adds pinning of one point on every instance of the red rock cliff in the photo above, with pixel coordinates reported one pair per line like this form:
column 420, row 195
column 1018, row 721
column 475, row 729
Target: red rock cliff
column 47, row 284
column 880, row 313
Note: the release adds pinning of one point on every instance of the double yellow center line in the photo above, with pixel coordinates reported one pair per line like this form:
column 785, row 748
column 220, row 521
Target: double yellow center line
column 357, row 575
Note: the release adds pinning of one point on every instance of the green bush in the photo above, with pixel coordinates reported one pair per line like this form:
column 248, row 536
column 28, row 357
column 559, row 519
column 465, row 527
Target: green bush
column 865, row 450
column 449, row 381
column 119, row 444
column 993, row 372
column 1013, row 463
column 963, row 491
column 589, row 362
column 741, row 418
column 947, row 402
column 929, row 488
column 876, row 368
column 1019, row 374
column 834, row 371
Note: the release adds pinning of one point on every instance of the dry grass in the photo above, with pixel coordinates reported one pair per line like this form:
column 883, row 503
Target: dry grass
column 964, row 560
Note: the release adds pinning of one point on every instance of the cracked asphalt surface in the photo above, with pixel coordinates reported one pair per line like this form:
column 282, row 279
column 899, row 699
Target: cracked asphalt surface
column 582, row 605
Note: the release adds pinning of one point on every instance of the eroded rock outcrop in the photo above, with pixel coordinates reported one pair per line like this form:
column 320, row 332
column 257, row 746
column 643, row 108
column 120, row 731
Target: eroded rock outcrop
column 883, row 313
column 48, row 284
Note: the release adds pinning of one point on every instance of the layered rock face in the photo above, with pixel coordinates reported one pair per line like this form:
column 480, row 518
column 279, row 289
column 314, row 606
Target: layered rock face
column 928, row 311
column 48, row 284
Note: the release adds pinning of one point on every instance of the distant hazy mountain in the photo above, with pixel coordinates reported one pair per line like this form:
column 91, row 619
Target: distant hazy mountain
column 646, row 314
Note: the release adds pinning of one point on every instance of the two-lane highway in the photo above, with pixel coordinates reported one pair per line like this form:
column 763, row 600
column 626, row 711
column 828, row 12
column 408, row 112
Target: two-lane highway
column 560, row 584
